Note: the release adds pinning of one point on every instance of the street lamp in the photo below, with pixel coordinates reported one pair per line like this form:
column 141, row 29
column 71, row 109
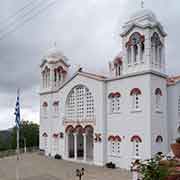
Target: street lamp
column 80, row 173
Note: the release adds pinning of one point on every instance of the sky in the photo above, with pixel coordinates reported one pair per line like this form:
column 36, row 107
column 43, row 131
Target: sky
column 86, row 31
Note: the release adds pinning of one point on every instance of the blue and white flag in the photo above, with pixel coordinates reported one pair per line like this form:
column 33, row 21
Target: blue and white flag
column 17, row 111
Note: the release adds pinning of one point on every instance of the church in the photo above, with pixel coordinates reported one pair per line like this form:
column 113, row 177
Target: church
column 130, row 113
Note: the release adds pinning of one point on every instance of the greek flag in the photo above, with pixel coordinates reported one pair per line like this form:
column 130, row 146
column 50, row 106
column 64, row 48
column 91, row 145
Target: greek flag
column 17, row 111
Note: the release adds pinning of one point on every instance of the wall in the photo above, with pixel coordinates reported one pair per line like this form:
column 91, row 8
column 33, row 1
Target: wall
column 159, row 117
column 128, row 123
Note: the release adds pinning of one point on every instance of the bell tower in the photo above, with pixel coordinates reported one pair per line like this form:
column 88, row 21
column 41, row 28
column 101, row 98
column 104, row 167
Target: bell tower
column 143, row 39
column 54, row 70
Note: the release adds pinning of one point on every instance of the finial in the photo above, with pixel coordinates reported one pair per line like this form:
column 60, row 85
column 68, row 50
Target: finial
column 142, row 4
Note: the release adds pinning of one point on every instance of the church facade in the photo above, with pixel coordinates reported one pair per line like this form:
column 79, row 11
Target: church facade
column 130, row 113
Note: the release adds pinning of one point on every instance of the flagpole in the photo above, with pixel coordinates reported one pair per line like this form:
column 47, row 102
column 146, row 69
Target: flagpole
column 18, row 123
column 17, row 143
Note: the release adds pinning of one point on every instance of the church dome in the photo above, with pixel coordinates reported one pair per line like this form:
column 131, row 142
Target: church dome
column 55, row 54
column 144, row 13
column 142, row 17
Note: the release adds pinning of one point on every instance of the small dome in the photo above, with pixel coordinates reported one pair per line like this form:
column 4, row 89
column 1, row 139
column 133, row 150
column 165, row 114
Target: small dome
column 55, row 54
column 143, row 14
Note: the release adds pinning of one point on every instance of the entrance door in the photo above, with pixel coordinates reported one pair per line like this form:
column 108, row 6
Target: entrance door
column 71, row 145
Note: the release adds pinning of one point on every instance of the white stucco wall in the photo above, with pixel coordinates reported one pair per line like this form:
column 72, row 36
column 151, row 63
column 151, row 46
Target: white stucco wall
column 128, row 122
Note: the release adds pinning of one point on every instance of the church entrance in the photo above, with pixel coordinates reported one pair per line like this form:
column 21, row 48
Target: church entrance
column 79, row 142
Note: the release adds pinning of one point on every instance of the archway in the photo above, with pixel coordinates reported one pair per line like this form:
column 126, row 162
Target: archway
column 70, row 142
column 80, row 141
column 70, row 145
column 89, row 142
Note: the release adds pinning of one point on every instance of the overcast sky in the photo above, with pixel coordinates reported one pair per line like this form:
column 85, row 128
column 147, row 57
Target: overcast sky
column 86, row 31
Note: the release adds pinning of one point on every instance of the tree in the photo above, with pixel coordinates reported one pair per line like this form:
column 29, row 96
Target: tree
column 29, row 134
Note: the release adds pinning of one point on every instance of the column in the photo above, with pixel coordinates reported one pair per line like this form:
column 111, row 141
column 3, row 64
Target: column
column 160, row 56
column 51, row 78
column 75, row 146
column 132, row 54
column 153, row 54
column 163, row 59
column 85, row 151
column 48, row 77
column 139, row 53
column 66, row 145
column 42, row 80
column 157, row 56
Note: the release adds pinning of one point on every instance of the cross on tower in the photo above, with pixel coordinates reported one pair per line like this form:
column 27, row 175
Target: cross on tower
column 142, row 4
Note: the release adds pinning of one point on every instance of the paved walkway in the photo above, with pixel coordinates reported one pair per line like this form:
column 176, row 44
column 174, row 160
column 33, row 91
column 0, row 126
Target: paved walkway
column 38, row 167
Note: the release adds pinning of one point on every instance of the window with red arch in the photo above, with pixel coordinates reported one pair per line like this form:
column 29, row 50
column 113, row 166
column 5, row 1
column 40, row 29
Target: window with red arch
column 158, row 96
column 136, row 98
column 56, row 107
column 137, row 142
column 135, row 48
column 45, row 107
column 114, row 102
column 118, row 66
column 114, row 145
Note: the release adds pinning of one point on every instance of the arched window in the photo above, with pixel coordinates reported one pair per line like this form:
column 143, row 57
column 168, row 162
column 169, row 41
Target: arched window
column 56, row 107
column 59, row 74
column 179, row 104
column 45, row 140
column 159, row 139
column 46, row 77
column 118, row 66
column 156, row 48
column 158, row 94
column 55, row 142
column 114, row 102
column 135, row 48
column 80, row 104
column 136, row 98
column 114, row 145
column 137, row 141
column 45, row 108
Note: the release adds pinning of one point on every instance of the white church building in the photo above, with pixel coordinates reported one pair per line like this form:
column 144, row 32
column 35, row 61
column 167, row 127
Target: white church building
column 130, row 113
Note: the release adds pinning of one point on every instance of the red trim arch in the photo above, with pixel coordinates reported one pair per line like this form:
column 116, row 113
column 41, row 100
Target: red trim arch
column 114, row 94
column 159, row 138
column 158, row 92
column 79, row 128
column 88, row 127
column 45, row 134
column 55, row 103
column 136, row 138
column 118, row 60
column 55, row 135
column 135, row 91
column 129, row 43
column 45, row 104
column 111, row 138
column 114, row 138
column 69, row 128
column 118, row 138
